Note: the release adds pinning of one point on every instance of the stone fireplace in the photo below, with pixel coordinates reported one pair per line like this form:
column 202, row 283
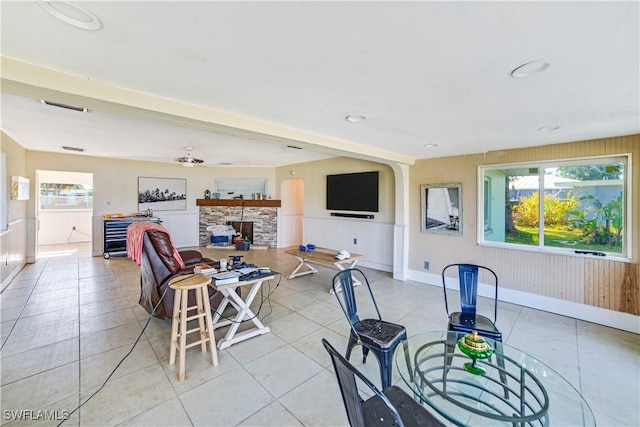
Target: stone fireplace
column 245, row 228
column 260, row 217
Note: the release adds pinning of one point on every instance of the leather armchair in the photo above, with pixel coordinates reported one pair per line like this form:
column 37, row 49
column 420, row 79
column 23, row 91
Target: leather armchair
column 158, row 266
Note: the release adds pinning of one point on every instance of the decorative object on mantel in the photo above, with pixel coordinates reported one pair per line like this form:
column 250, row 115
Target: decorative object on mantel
column 207, row 194
column 245, row 187
column 239, row 202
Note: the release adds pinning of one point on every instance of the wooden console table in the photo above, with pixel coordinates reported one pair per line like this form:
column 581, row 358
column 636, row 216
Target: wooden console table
column 321, row 256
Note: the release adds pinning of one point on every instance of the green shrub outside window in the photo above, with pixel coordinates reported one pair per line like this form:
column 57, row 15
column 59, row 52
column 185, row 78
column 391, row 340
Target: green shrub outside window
column 575, row 206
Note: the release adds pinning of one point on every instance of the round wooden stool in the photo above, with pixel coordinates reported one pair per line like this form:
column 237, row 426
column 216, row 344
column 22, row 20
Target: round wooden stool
column 182, row 285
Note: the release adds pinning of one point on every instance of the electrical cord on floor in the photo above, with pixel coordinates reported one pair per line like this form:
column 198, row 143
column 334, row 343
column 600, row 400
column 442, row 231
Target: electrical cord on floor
column 147, row 324
column 125, row 356
column 262, row 298
column 79, row 232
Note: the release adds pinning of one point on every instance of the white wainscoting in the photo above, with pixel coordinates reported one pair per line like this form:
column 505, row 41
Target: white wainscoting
column 372, row 239
column 13, row 248
column 57, row 227
column 183, row 228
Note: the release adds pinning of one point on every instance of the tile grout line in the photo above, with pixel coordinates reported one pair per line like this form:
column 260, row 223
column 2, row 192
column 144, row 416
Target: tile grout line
column 79, row 346
column 23, row 306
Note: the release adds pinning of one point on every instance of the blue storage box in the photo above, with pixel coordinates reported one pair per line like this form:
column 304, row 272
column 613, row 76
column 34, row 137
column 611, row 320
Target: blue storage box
column 220, row 240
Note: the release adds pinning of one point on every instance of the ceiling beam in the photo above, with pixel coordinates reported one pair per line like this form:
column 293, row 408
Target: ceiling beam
column 21, row 78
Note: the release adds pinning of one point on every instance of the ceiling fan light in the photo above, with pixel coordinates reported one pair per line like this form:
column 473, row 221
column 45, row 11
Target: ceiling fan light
column 188, row 161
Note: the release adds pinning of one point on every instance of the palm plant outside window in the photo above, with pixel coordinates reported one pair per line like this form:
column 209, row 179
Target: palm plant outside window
column 577, row 206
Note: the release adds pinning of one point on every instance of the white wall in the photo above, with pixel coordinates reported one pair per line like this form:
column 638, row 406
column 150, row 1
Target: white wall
column 115, row 184
column 13, row 240
column 372, row 238
column 315, row 184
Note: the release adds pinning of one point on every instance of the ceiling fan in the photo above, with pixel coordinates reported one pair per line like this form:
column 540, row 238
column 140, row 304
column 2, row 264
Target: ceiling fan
column 188, row 161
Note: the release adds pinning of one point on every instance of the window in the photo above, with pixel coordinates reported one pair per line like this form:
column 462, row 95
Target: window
column 487, row 205
column 583, row 207
column 56, row 196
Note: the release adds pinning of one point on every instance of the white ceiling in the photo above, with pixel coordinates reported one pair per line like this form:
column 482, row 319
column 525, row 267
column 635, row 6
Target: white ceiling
column 239, row 81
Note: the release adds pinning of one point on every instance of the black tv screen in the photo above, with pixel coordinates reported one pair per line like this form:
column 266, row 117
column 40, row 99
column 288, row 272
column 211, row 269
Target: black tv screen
column 353, row 192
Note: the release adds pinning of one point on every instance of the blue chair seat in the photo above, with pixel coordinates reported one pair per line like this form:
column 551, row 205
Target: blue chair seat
column 374, row 334
column 380, row 333
column 461, row 322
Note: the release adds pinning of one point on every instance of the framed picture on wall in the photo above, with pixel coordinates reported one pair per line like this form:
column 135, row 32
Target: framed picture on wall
column 162, row 194
column 19, row 188
column 230, row 188
column 442, row 208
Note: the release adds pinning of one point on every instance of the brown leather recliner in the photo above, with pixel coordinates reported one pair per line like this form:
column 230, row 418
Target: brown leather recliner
column 158, row 266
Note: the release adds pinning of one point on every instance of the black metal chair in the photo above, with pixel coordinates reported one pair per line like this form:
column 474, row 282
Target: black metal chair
column 390, row 407
column 468, row 320
column 376, row 335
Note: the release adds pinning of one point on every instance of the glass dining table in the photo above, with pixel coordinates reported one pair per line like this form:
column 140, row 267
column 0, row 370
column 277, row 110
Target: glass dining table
column 510, row 387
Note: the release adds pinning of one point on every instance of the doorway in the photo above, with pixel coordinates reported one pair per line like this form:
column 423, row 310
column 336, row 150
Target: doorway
column 290, row 229
column 64, row 208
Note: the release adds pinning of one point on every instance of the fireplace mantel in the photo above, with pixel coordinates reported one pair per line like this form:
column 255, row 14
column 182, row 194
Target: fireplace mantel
column 239, row 202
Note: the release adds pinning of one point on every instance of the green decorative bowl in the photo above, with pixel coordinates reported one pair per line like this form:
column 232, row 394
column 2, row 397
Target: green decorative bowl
column 475, row 347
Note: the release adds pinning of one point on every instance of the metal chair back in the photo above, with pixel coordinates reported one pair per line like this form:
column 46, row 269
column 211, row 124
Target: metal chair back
column 353, row 403
column 468, row 286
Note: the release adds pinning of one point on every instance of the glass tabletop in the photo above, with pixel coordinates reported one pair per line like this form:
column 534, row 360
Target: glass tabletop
column 510, row 387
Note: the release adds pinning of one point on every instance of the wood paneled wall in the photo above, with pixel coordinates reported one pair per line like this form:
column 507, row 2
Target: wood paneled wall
column 602, row 283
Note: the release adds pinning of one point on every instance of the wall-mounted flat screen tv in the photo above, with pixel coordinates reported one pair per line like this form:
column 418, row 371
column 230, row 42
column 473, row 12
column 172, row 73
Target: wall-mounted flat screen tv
column 353, row 192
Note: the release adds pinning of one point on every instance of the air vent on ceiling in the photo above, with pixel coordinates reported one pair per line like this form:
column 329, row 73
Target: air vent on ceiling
column 294, row 147
column 68, row 107
column 68, row 148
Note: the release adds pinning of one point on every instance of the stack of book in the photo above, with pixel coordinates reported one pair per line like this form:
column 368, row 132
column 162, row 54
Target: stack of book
column 226, row 277
column 203, row 268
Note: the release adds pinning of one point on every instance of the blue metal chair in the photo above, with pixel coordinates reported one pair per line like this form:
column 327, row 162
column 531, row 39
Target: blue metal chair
column 390, row 407
column 377, row 335
column 468, row 320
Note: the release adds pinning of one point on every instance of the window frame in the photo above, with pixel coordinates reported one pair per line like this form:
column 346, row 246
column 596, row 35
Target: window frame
column 627, row 244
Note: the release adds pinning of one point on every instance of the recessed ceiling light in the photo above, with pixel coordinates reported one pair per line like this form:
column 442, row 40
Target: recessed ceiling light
column 430, row 145
column 354, row 118
column 550, row 128
column 530, row 68
column 72, row 14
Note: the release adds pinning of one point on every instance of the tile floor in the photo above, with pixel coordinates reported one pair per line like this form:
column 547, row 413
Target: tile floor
column 70, row 318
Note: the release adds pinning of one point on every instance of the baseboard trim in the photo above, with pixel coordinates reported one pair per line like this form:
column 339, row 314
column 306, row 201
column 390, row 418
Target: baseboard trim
column 614, row 319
